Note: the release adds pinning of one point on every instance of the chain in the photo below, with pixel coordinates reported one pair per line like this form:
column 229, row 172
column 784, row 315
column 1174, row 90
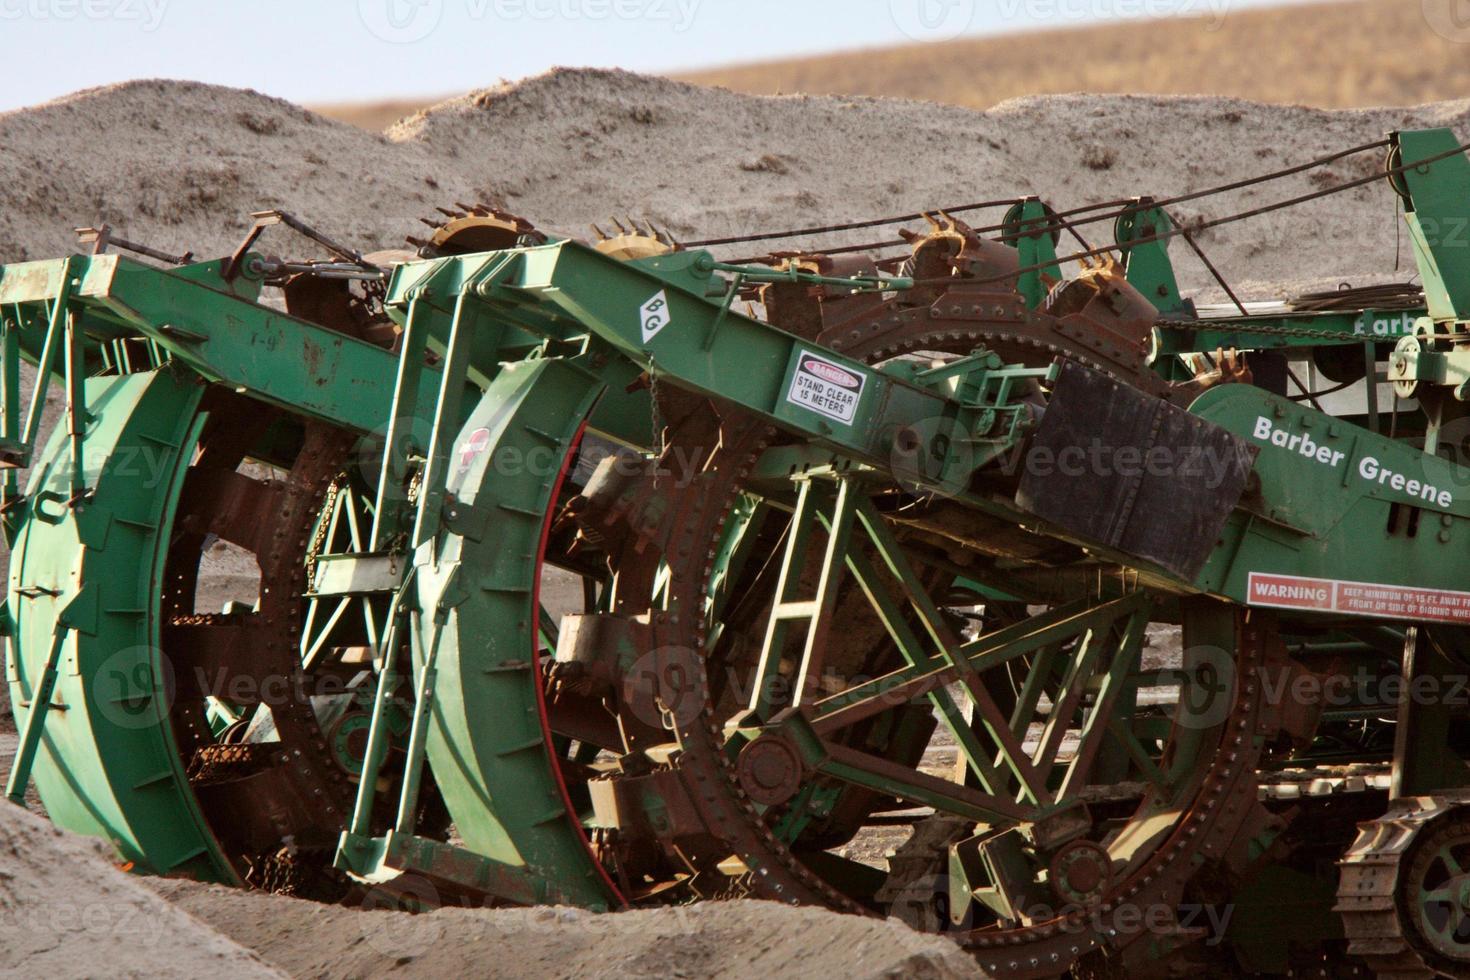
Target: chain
column 1306, row 332
column 324, row 523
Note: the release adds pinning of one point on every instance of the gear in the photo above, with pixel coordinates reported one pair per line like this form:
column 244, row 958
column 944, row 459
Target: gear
column 634, row 243
column 1208, row 815
column 470, row 228
column 1080, row 873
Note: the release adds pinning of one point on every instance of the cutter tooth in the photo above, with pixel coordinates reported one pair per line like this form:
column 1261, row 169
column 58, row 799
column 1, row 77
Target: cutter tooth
column 601, row 235
column 619, row 224
column 430, row 222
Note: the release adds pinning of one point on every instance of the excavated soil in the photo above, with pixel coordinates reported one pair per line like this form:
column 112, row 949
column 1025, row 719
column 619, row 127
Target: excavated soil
column 183, row 164
column 65, row 911
column 714, row 940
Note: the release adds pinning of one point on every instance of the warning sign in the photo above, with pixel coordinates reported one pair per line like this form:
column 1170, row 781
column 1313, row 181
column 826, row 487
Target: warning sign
column 825, row 387
column 472, row 447
column 1358, row 598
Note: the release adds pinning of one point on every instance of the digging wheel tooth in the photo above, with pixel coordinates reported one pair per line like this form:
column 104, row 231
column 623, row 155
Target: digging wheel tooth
column 468, row 229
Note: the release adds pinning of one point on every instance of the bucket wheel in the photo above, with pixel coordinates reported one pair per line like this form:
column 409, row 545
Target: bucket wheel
column 885, row 674
column 242, row 710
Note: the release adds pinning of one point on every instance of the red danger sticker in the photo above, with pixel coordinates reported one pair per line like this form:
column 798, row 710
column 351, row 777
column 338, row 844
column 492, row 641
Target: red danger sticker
column 1357, row 598
column 825, row 387
column 472, row 447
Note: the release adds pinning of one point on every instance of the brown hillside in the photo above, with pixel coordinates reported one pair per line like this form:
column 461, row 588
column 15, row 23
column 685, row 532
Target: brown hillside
column 1333, row 55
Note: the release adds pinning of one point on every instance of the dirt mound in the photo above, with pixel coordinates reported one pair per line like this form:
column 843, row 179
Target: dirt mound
column 66, row 912
column 1327, row 54
column 185, row 163
column 714, row 940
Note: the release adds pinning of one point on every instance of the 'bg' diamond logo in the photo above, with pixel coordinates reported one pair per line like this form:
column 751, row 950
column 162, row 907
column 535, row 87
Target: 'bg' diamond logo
column 654, row 315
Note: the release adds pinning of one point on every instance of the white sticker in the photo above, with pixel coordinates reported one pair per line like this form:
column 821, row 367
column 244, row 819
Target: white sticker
column 654, row 315
column 1376, row 599
column 826, row 387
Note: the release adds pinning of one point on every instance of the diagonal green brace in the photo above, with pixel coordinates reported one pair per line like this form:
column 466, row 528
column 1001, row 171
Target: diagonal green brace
column 30, row 736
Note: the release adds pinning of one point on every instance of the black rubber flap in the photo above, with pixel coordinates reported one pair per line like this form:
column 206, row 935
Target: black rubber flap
column 1122, row 468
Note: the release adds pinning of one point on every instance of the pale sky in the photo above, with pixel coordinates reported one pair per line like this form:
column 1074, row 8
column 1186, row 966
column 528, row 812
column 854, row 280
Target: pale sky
column 352, row 50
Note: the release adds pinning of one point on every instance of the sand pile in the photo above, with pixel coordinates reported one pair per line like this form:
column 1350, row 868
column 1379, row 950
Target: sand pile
column 66, row 912
column 184, row 163
column 714, row 940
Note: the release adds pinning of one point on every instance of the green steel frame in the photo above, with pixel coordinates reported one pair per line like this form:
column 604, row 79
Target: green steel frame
column 514, row 352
